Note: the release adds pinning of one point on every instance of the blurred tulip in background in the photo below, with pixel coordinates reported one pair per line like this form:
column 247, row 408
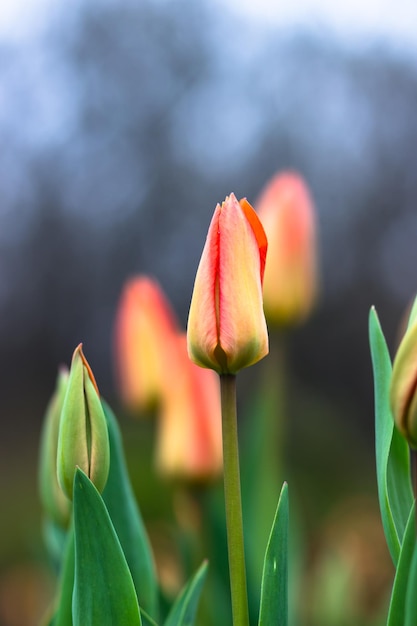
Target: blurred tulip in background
column 145, row 324
column 287, row 213
column 189, row 442
column 55, row 504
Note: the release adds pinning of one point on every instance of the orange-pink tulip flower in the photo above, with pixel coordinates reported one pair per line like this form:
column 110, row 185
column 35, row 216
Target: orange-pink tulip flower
column 189, row 443
column 226, row 325
column 290, row 283
column 144, row 325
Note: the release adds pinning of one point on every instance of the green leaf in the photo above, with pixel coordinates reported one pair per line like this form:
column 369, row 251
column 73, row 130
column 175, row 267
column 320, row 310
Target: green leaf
column 184, row 610
column 413, row 314
column 104, row 593
column 274, row 589
column 122, row 507
column 63, row 616
column 396, row 614
column 411, row 596
column 146, row 619
column 55, row 538
column 392, row 452
column 263, row 445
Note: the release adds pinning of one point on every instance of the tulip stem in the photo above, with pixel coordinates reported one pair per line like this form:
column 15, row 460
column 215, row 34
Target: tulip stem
column 233, row 502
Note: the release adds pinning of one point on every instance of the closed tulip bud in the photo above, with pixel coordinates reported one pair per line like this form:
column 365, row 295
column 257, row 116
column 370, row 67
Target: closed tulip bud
column 144, row 324
column 55, row 503
column 226, row 324
column 403, row 393
column 286, row 211
column 83, row 439
column 189, row 444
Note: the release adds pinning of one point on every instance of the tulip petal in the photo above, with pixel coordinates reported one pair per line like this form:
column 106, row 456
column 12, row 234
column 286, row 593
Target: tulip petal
column 144, row 325
column 242, row 328
column 226, row 325
column 203, row 336
column 287, row 214
column 79, row 350
column 72, row 449
column 404, row 381
column 258, row 231
column 189, row 442
column 82, row 438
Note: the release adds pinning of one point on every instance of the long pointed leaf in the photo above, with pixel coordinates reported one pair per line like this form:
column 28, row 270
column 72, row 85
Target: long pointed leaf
column 104, row 593
column 274, row 589
column 63, row 616
column 396, row 614
column 146, row 619
column 392, row 452
column 411, row 596
column 124, row 512
column 262, row 448
column 184, row 610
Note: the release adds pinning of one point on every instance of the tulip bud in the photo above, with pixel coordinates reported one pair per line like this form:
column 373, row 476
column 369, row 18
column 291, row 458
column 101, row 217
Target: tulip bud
column 290, row 283
column 403, row 393
column 226, row 324
column 83, row 439
column 55, row 503
column 144, row 324
column 189, row 443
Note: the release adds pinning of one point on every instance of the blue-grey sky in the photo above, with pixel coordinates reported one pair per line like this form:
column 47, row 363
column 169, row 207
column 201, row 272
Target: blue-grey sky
column 356, row 21
column 395, row 20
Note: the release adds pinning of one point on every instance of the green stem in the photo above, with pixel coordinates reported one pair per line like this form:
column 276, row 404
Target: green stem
column 233, row 502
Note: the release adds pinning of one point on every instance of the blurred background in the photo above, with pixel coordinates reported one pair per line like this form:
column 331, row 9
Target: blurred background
column 123, row 123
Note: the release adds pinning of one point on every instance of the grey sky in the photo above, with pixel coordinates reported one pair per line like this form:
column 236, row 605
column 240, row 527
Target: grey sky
column 356, row 20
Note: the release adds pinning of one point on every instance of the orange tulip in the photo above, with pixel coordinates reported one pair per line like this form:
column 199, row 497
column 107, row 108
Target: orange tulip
column 287, row 214
column 144, row 325
column 226, row 325
column 189, row 443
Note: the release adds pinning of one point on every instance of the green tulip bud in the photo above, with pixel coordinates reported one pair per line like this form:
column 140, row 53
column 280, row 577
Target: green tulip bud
column 403, row 393
column 55, row 503
column 83, row 437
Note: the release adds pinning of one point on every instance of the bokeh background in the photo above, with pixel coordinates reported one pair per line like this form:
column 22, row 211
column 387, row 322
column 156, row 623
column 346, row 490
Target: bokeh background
column 122, row 124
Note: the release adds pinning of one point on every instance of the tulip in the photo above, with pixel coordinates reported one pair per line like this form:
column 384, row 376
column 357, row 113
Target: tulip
column 55, row 503
column 226, row 324
column 144, row 325
column 83, row 438
column 403, row 391
column 286, row 211
column 189, row 444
